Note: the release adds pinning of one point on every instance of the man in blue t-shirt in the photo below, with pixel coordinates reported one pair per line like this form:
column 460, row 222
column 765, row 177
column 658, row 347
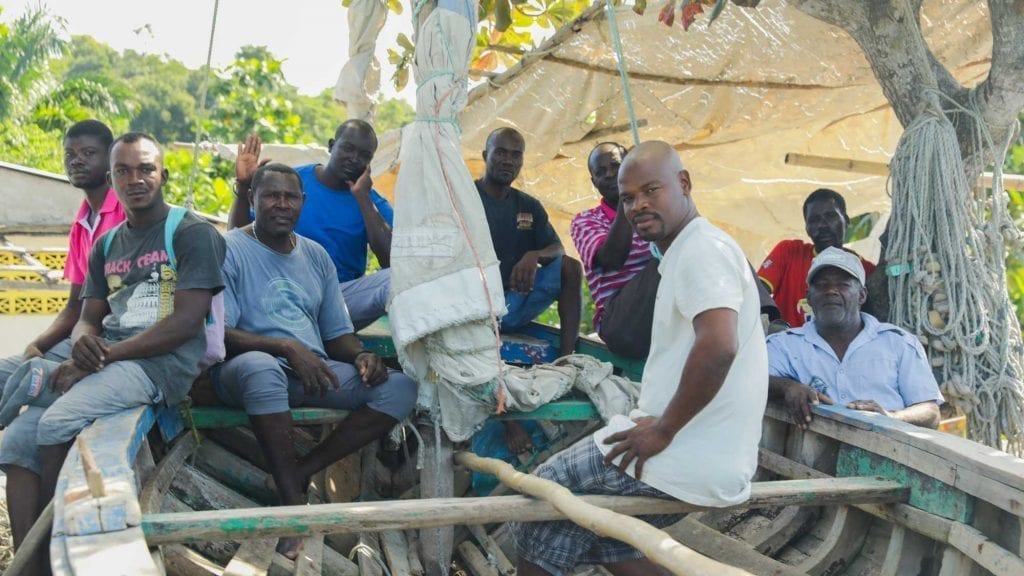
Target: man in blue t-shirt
column 342, row 213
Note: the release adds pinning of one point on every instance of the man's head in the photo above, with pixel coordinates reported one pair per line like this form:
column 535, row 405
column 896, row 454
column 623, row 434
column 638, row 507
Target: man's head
column 825, row 218
column 835, row 288
column 277, row 199
column 654, row 189
column 137, row 171
column 503, row 156
column 603, row 163
column 352, row 149
column 87, row 154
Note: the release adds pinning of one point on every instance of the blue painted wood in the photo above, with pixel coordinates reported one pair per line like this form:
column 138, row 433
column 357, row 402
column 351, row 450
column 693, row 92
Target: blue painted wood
column 170, row 422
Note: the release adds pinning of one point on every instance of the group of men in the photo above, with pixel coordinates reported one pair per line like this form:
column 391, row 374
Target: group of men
column 291, row 275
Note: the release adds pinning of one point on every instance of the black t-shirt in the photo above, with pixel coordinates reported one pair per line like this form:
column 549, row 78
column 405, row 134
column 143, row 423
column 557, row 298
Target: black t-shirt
column 518, row 224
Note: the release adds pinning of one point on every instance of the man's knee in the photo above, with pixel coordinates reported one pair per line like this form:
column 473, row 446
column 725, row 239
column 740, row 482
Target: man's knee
column 396, row 396
column 19, row 447
column 261, row 381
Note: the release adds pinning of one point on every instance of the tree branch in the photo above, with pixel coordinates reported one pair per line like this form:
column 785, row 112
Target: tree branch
column 1002, row 93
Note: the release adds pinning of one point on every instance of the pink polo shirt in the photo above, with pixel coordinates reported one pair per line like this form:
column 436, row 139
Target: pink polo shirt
column 82, row 235
column 589, row 230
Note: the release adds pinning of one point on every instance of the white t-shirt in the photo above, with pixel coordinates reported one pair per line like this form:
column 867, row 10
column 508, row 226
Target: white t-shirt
column 713, row 457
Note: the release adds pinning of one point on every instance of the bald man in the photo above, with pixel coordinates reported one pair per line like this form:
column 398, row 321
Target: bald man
column 694, row 435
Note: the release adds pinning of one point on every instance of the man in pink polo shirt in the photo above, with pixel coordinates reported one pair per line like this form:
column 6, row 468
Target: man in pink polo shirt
column 86, row 162
column 615, row 259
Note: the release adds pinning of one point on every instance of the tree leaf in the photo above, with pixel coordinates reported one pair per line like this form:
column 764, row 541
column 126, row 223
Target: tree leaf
column 502, row 15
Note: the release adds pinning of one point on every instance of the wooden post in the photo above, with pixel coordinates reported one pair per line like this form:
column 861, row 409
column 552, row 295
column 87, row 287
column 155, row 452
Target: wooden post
column 92, row 472
column 436, row 481
column 658, row 546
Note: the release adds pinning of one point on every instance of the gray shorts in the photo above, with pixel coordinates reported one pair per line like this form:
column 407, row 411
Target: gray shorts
column 117, row 387
column 366, row 297
column 259, row 383
column 561, row 545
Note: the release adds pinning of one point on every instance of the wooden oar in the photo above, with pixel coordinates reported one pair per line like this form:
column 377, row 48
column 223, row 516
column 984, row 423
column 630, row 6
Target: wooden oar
column 654, row 543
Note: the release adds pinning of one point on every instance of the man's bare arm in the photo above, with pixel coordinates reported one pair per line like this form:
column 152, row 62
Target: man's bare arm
column 796, row 397
column 613, row 254
column 190, row 310
column 925, row 414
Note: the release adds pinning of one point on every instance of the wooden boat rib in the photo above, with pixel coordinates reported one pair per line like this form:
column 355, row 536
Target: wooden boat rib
column 855, row 493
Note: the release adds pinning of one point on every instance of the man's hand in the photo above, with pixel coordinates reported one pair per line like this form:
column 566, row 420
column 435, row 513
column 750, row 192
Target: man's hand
column 90, row 352
column 65, row 376
column 524, row 272
column 31, row 351
column 316, row 376
column 867, row 406
column 371, row 368
column 798, row 399
column 247, row 158
column 638, row 443
column 361, row 187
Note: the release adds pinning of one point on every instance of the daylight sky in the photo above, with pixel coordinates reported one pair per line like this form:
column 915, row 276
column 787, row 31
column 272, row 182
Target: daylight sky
column 310, row 35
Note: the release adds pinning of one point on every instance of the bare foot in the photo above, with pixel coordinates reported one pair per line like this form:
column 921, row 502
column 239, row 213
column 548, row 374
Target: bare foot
column 516, row 437
column 290, row 547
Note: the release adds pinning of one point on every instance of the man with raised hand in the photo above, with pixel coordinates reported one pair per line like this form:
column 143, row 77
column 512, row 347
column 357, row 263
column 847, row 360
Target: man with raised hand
column 141, row 333
column 291, row 343
column 343, row 213
column 695, row 433
column 847, row 356
column 616, row 260
column 86, row 162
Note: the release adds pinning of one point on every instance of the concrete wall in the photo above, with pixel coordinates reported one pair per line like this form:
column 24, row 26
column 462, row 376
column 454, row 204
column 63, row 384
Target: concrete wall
column 34, row 197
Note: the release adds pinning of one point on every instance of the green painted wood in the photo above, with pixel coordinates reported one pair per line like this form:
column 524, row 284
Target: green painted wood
column 926, row 493
column 222, row 417
column 560, row 410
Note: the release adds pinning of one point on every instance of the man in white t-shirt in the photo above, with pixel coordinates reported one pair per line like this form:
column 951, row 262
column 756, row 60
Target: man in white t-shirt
column 694, row 436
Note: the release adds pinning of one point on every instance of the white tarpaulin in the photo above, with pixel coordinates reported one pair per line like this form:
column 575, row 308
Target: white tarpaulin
column 733, row 99
column 445, row 282
column 360, row 77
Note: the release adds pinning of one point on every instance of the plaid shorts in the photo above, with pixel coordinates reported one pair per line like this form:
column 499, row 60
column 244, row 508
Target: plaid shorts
column 561, row 545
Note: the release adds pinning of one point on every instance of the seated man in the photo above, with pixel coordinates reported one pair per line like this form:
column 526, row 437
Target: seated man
column 141, row 333
column 785, row 268
column 695, row 434
column 291, row 342
column 342, row 213
column 616, row 261
column 86, row 162
column 845, row 355
column 534, row 270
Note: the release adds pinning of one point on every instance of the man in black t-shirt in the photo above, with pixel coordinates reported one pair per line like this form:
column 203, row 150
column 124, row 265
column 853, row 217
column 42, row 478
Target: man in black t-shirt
column 534, row 269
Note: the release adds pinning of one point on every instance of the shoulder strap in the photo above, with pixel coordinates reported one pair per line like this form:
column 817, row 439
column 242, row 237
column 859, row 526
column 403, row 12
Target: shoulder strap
column 170, row 225
column 108, row 238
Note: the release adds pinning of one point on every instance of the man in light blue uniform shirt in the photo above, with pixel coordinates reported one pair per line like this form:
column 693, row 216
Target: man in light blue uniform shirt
column 342, row 213
column 847, row 356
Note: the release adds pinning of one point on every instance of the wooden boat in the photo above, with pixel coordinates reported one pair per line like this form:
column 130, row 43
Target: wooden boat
column 184, row 493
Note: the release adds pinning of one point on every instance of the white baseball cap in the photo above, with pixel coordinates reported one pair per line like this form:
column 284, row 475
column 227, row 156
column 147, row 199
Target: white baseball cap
column 837, row 258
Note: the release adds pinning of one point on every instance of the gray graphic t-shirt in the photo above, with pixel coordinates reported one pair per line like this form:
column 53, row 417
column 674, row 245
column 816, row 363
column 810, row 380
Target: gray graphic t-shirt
column 294, row 296
column 138, row 283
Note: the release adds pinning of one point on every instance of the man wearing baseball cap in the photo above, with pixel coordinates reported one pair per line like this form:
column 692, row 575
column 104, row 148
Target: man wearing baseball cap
column 847, row 356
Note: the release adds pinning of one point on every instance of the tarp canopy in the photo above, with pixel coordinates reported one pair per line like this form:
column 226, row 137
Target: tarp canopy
column 733, row 99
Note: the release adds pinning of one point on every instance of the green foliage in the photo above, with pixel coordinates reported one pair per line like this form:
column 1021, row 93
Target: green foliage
column 1014, row 164
column 26, row 46
column 393, row 114
column 249, row 100
column 214, row 184
column 550, row 317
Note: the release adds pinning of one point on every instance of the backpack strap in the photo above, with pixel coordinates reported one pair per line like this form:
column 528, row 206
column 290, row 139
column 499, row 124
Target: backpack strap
column 108, row 238
column 174, row 218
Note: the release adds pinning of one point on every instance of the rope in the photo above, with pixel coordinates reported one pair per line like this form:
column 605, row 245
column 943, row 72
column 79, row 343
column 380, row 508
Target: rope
column 613, row 26
column 190, row 197
column 947, row 272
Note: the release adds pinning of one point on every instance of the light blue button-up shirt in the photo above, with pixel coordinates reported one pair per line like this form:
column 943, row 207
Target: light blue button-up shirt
column 883, row 363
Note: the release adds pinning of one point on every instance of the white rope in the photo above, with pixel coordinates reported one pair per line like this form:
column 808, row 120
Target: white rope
column 201, row 115
column 947, row 282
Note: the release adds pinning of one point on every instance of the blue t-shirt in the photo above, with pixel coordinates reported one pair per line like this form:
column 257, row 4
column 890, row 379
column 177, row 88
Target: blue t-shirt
column 883, row 363
column 332, row 219
column 294, row 296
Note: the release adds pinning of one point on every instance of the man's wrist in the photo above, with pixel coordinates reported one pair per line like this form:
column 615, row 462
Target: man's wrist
column 242, row 186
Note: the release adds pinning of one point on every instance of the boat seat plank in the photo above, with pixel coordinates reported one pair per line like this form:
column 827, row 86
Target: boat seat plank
column 691, row 533
column 311, row 557
column 253, row 558
column 434, row 512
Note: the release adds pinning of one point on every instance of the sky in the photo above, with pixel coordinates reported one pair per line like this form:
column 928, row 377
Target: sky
column 313, row 41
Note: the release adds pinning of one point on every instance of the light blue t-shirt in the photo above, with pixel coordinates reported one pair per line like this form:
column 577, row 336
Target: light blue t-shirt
column 332, row 219
column 883, row 363
column 294, row 296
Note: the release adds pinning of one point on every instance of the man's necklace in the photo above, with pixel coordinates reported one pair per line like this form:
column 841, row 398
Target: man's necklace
column 291, row 236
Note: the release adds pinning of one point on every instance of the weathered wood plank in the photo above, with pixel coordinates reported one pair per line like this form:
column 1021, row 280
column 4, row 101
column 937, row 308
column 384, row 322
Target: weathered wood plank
column 369, row 556
column 249, row 522
column 984, row 551
column 474, row 560
column 121, row 553
column 843, row 541
column 906, row 551
column 396, row 552
column 713, row 544
column 415, row 564
column 153, row 492
column 234, row 472
column 436, row 481
column 253, row 558
column 492, row 551
column 181, row 561
column 790, row 523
